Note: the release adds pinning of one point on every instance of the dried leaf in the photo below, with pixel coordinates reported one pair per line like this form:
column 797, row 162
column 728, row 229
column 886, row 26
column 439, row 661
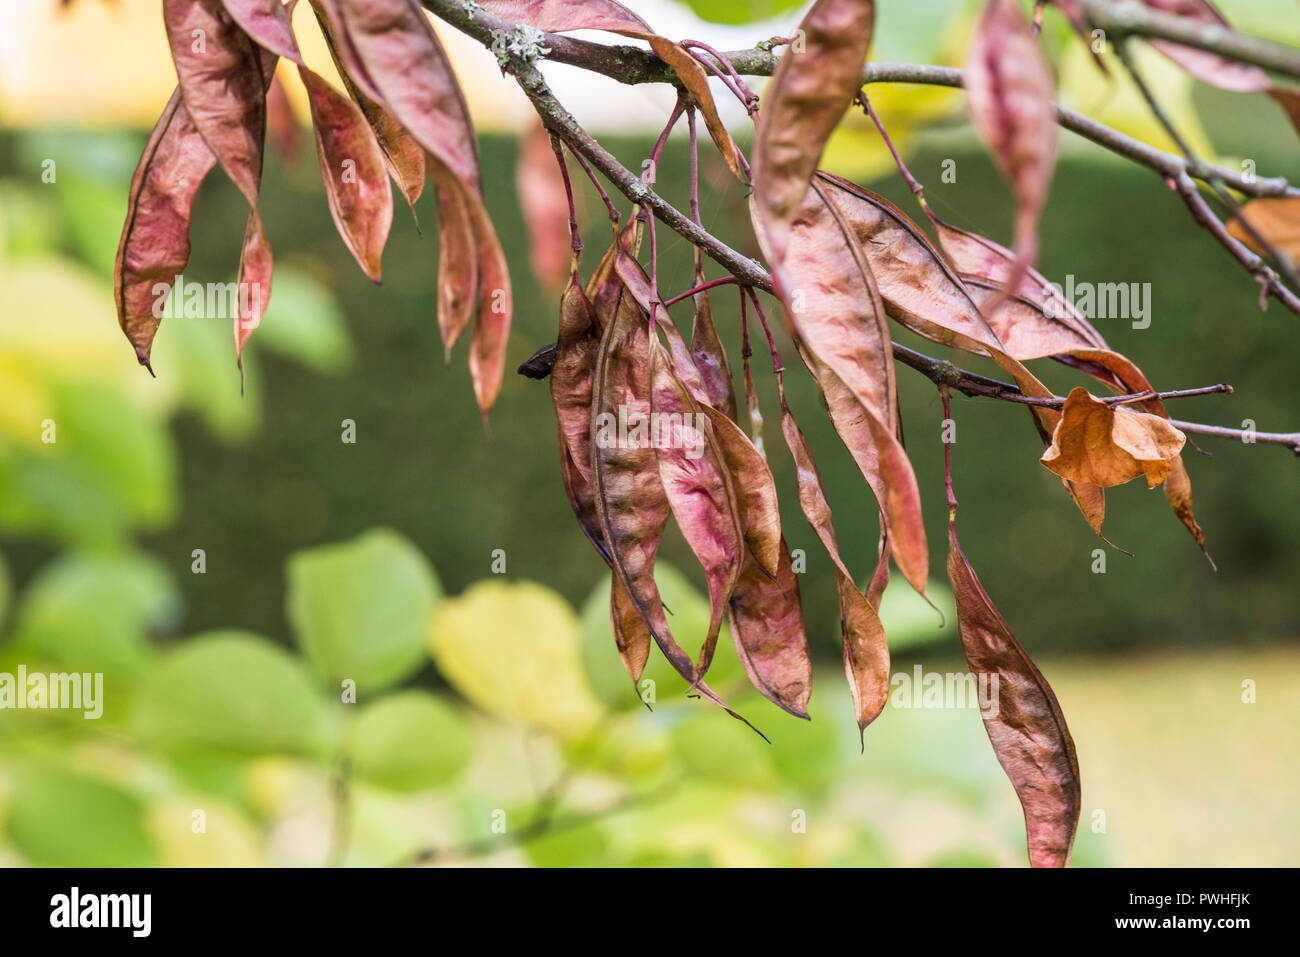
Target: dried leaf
column 1009, row 95
column 804, row 102
column 631, row 504
column 1027, row 729
column 545, row 206
column 1106, row 445
column 866, row 651
column 352, row 169
column 1277, row 219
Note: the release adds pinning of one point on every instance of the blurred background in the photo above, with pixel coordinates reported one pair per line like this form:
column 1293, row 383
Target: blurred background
column 309, row 656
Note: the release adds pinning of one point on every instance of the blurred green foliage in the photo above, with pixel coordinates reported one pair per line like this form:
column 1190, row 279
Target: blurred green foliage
column 319, row 693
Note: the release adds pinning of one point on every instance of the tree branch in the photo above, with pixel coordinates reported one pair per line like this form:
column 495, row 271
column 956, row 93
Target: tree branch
column 1127, row 18
column 560, row 122
column 633, row 66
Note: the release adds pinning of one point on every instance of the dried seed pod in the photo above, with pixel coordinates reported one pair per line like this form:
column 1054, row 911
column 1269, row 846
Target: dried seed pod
column 1027, row 728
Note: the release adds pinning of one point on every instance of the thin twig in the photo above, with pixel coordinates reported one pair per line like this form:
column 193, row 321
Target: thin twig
column 751, row 275
column 1196, row 164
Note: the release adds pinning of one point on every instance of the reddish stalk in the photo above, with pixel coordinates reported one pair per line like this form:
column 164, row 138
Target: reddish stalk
column 573, row 207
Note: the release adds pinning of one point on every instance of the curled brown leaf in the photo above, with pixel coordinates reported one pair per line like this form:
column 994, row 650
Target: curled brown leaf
column 1107, row 445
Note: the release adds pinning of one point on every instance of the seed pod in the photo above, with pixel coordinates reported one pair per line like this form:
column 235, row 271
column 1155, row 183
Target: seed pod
column 1009, row 95
column 710, row 357
column 1027, row 730
column 767, row 628
column 698, row 486
column 866, row 651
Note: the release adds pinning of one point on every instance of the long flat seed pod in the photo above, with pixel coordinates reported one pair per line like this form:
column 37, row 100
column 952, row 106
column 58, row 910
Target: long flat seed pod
column 1009, row 96
column 631, row 636
column 544, row 202
column 556, row 16
column 351, row 162
column 710, row 357
column 755, row 490
column 866, row 651
column 582, row 499
column 980, row 256
column 221, row 82
column 767, row 628
column 631, row 504
column 809, row 92
column 155, row 242
column 833, row 309
column 1027, row 729
column 402, row 155
column 698, row 485
column 352, row 169
column 576, row 349
column 412, row 79
column 922, row 292
column 458, row 265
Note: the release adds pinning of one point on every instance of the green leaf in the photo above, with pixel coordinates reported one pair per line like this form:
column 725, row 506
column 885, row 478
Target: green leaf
column 408, row 742
column 58, row 819
column 108, row 469
column 512, row 648
column 6, row 591
column 233, row 691
column 741, row 11
column 716, row 748
column 360, row 609
column 93, row 612
column 910, row 622
column 304, row 323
